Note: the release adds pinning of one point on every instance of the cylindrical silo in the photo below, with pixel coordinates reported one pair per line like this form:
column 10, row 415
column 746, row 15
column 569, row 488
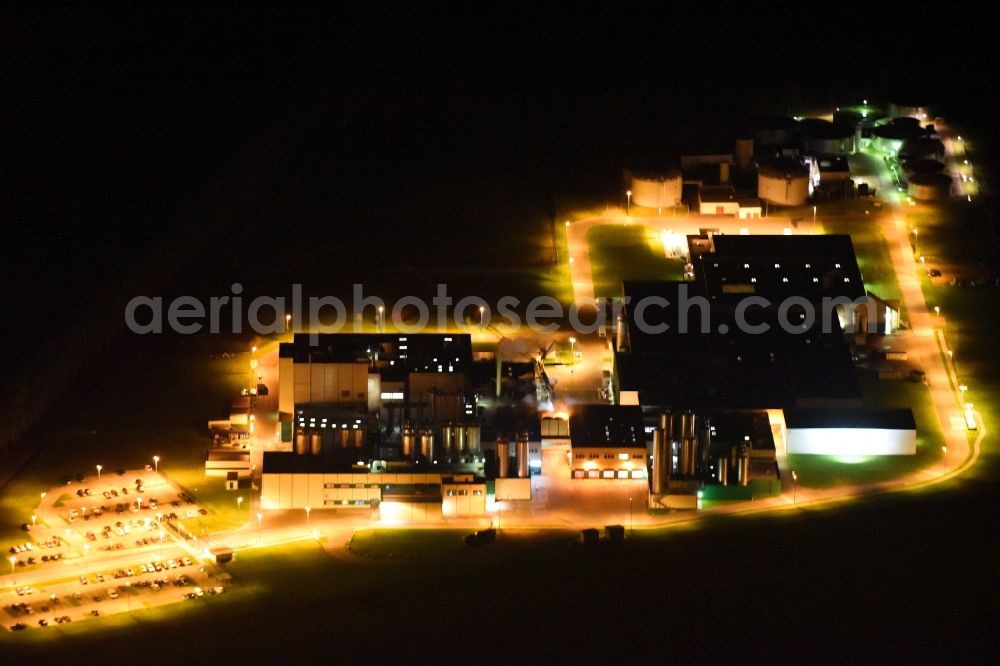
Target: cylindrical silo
column 503, row 457
column 358, row 437
column 461, row 441
column 427, row 445
column 472, row 436
column 409, row 439
column 744, row 469
column 783, row 181
column 446, row 441
column 687, row 425
column 301, row 443
column 344, row 438
column 704, row 444
column 661, row 463
column 315, row 443
column 657, row 189
column 929, row 186
column 722, row 470
column 523, row 451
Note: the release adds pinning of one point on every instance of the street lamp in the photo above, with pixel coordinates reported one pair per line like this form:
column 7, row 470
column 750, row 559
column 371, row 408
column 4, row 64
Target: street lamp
column 944, row 457
column 482, row 311
column 288, row 322
column 239, row 502
column 567, row 223
column 795, row 485
column 13, row 561
column 814, row 214
column 937, row 310
column 630, row 514
column 99, row 468
column 572, row 349
column 380, row 324
column 33, row 519
column 963, row 388
column 308, row 509
column 628, row 193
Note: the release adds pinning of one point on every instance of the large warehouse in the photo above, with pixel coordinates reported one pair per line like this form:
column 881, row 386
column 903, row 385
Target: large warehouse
column 853, row 432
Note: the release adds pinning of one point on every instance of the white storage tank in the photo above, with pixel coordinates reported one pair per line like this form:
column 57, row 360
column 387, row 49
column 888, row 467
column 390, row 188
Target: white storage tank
column 929, row 186
column 657, row 190
column 783, row 181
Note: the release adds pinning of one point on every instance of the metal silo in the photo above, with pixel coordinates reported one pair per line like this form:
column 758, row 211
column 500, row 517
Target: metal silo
column 472, row 435
column 427, row 445
column 301, row 443
column 523, row 471
column 358, row 437
column 460, row 441
column 661, row 462
column 315, row 443
column 409, row 440
column 344, row 437
column 446, row 441
column 503, row 457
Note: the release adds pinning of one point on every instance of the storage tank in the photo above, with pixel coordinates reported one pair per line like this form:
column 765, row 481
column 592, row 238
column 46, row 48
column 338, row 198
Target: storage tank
column 523, row 470
column 744, row 472
column 301, row 443
column 821, row 137
column 461, row 441
column 344, row 438
column 704, row 444
column 427, row 445
column 472, row 435
column 783, row 181
column 929, row 186
column 503, row 457
column 315, row 443
column 722, row 470
column 922, row 148
column 409, row 439
column 687, row 425
column 743, row 153
column 657, row 189
column 889, row 137
column 358, row 437
column 661, row 462
column 774, row 131
column 446, row 441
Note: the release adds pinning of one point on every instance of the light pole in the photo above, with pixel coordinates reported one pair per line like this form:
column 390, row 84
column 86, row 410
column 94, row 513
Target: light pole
column 13, row 561
column 630, row 514
column 260, row 517
column 99, row 468
column 156, row 468
column 795, row 486
column 33, row 519
column 963, row 388
column 239, row 502
column 572, row 349
column 308, row 509
column 814, row 214
column 628, row 195
column 937, row 311
column 380, row 323
column 944, row 457
column 288, row 322
column 482, row 323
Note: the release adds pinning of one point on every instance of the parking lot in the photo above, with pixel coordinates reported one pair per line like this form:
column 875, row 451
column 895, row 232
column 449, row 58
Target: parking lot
column 99, row 546
column 102, row 593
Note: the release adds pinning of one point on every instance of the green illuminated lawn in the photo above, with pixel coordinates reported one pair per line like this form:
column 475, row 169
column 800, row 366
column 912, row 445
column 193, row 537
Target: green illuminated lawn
column 872, row 253
column 628, row 253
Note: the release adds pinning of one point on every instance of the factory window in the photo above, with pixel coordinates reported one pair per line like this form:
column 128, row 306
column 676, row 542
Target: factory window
column 451, row 493
column 345, row 394
column 637, row 455
column 594, row 456
column 463, row 493
column 579, row 455
column 477, row 493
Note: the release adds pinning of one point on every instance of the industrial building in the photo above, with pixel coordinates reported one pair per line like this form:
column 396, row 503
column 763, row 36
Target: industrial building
column 852, row 432
column 691, row 354
column 718, row 200
column 607, row 442
column 398, row 491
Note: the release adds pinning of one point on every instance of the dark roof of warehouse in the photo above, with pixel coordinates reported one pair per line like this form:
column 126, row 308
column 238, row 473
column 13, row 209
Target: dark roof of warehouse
column 413, row 351
column 835, row 164
column 783, row 167
column 693, row 363
column 777, row 267
column 286, row 462
column 819, row 128
column 885, row 419
column 606, row 425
